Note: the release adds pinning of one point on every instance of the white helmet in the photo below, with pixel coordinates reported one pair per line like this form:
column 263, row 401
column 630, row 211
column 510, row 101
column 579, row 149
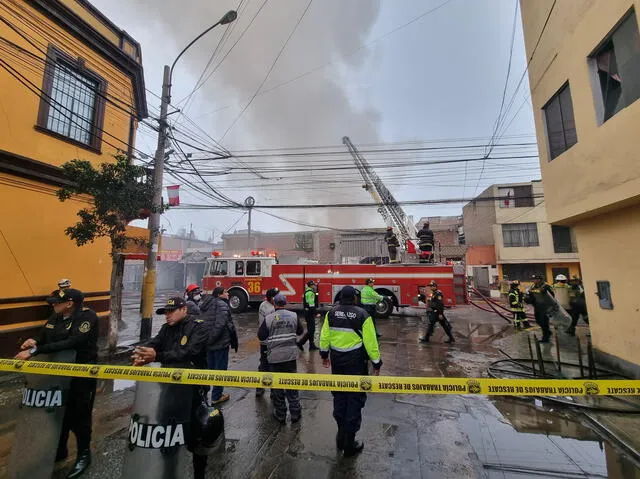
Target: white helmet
column 64, row 283
column 561, row 277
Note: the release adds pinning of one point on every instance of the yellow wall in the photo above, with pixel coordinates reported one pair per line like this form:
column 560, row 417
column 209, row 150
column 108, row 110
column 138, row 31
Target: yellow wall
column 35, row 253
column 608, row 246
column 20, row 106
column 605, row 156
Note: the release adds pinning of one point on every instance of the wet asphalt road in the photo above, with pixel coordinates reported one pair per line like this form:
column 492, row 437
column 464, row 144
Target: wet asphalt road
column 405, row 435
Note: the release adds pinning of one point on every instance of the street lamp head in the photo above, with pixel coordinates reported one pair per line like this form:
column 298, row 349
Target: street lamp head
column 229, row 17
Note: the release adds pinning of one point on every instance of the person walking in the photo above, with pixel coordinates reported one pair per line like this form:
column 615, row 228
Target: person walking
column 347, row 342
column 435, row 314
column 516, row 303
column 538, row 296
column 310, row 303
column 278, row 332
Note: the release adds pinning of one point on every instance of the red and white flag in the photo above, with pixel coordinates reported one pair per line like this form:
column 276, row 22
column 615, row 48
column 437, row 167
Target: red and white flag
column 174, row 195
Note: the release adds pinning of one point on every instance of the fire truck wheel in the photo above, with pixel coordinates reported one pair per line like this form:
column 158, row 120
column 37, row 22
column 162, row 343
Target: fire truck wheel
column 384, row 308
column 238, row 301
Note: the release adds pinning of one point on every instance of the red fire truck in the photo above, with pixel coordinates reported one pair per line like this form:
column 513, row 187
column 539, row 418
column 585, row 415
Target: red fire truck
column 248, row 278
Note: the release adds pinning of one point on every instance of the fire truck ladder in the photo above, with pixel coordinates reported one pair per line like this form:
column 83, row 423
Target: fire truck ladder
column 389, row 209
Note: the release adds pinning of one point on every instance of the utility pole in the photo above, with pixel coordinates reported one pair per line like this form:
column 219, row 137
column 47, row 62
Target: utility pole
column 150, row 273
column 150, row 269
column 249, row 202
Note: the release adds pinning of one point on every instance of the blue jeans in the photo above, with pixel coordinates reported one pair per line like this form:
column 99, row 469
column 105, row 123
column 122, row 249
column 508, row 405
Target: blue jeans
column 218, row 360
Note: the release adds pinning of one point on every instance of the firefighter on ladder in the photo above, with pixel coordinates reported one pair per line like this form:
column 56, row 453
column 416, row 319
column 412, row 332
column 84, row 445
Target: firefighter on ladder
column 516, row 302
column 425, row 243
column 392, row 244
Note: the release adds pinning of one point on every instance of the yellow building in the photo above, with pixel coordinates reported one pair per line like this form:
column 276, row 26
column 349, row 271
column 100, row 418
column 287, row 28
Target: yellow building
column 71, row 86
column 584, row 74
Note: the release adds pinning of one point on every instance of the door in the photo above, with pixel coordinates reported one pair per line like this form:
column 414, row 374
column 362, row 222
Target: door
column 481, row 279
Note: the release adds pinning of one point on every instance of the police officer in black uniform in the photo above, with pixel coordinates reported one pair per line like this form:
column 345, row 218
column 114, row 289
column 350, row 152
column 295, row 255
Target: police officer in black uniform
column 74, row 327
column 182, row 342
column 538, row 296
column 435, row 314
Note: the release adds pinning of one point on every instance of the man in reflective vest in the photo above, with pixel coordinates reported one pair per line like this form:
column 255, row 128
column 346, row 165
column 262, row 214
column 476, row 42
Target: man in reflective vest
column 266, row 308
column 578, row 304
column 310, row 303
column 278, row 331
column 369, row 298
column 425, row 243
column 516, row 302
column 347, row 342
column 538, row 296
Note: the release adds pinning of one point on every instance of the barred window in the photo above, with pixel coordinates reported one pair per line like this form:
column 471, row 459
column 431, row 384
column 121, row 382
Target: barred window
column 72, row 103
column 304, row 242
column 520, row 235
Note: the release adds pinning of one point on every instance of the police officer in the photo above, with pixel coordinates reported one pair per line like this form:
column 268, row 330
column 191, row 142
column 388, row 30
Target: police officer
column 278, row 331
column 425, row 243
column 435, row 313
column 193, row 296
column 516, row 302
column 369, row 298
column 392, row 244
column 71, row 327
column 577, row 303
column 347, row 341
column 182, row 342
column 266, row 308
column 310, row 303
column 538, row 296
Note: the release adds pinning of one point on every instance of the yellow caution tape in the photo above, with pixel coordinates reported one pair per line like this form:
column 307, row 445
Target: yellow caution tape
column 334, row 382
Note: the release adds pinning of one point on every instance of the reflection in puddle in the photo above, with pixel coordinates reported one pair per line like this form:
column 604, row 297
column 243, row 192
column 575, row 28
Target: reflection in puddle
column 514, row 438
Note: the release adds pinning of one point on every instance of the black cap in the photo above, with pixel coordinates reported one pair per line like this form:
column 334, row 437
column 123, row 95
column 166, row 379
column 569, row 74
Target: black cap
column 64, row 295
column 310, row 283
column 172, row 304
column 271, row 292
column 348, row 292
column 280, row 299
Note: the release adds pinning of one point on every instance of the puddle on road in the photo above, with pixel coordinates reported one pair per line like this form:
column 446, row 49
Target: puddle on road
column 514, row 438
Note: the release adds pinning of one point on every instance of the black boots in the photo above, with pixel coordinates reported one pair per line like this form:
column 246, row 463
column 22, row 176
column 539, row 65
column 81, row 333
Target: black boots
column 351, row 446
column 82, row 464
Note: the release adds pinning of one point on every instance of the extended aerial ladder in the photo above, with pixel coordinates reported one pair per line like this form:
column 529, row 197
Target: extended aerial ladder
column 389, row 209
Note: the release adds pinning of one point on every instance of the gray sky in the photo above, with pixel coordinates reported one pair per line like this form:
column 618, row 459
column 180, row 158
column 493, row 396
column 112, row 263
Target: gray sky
column 435, row 82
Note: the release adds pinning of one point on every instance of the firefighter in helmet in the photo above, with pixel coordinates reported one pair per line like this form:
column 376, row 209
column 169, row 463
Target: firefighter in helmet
column 435, row 314
column 392, row 244
column 541, row 295
column 425, row 243
column 516, row 303
column 193, row 296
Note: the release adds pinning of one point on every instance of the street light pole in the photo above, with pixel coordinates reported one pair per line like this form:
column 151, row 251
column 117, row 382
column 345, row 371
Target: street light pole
column 150, row 273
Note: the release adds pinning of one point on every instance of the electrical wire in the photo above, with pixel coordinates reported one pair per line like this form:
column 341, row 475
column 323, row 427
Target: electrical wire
column 266, row 77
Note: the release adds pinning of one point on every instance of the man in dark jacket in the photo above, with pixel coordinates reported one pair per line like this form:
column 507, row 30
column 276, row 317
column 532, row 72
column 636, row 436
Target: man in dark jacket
column 215, row 312
column 425, row 243
column 193, row 296
column 181, row 342
column 539, row 295
column 74, row 327
column 435, row 314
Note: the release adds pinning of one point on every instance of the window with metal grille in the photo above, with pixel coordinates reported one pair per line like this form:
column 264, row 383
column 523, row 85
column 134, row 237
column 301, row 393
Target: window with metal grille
column 561, row 125
column 522, row 271
column 72, row 103
column 520, row 235
column 617, row 63
column 562, row 239
column 304, row 241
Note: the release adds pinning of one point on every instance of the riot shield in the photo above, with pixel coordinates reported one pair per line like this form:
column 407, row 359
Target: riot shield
column 158, row 432
column 39, row 421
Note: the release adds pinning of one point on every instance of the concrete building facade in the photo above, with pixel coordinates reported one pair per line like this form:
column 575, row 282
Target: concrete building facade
column 584, row 74
column 516, row 226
